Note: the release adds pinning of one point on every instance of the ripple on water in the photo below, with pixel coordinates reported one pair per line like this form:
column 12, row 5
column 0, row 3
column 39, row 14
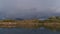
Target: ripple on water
column 41, row 30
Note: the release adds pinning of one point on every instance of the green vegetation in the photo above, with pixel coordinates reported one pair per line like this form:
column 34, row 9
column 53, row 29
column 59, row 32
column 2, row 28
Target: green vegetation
column 53, row 19
column 8, row 20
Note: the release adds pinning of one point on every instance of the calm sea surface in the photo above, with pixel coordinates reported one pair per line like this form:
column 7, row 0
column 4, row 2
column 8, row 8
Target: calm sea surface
column 27, row 31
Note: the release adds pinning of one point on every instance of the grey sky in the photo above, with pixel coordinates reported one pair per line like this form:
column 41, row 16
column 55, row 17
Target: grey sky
column 27, row 4
column 15, row 7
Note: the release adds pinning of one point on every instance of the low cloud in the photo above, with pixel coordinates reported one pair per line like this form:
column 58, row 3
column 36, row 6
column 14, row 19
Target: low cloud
column 29, row 8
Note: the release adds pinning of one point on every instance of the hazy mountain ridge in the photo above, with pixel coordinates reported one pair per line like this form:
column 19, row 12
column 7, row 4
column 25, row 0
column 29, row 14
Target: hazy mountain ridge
column 27, row 14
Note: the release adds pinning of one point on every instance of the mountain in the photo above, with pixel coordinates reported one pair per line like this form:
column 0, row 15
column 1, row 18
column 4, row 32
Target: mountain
column 19, row 19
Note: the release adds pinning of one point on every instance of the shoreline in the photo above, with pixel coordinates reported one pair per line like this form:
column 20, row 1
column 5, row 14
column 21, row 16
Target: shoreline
column 29, row 25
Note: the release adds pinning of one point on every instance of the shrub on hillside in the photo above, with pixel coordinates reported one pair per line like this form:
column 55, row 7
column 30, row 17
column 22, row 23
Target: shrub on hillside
column 8, row 20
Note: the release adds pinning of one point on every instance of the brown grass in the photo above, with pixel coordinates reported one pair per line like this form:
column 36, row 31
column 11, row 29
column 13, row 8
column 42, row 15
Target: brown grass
column 22, row 23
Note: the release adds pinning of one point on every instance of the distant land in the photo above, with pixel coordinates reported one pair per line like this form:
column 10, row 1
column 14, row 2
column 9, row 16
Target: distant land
column 42, row 18
column 52, row 23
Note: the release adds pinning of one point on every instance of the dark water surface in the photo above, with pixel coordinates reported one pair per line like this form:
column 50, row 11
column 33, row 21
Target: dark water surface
column 27, row 31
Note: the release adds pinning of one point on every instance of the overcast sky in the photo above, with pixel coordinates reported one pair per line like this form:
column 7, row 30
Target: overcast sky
column 27, row 4
column 15, row 7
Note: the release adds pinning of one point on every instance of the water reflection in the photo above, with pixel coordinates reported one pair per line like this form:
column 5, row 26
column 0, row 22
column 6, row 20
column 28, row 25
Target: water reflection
column 41, row 30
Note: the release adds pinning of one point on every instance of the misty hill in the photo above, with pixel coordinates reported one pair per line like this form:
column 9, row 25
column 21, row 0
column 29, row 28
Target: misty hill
column 19, row 19
column 27, row 14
